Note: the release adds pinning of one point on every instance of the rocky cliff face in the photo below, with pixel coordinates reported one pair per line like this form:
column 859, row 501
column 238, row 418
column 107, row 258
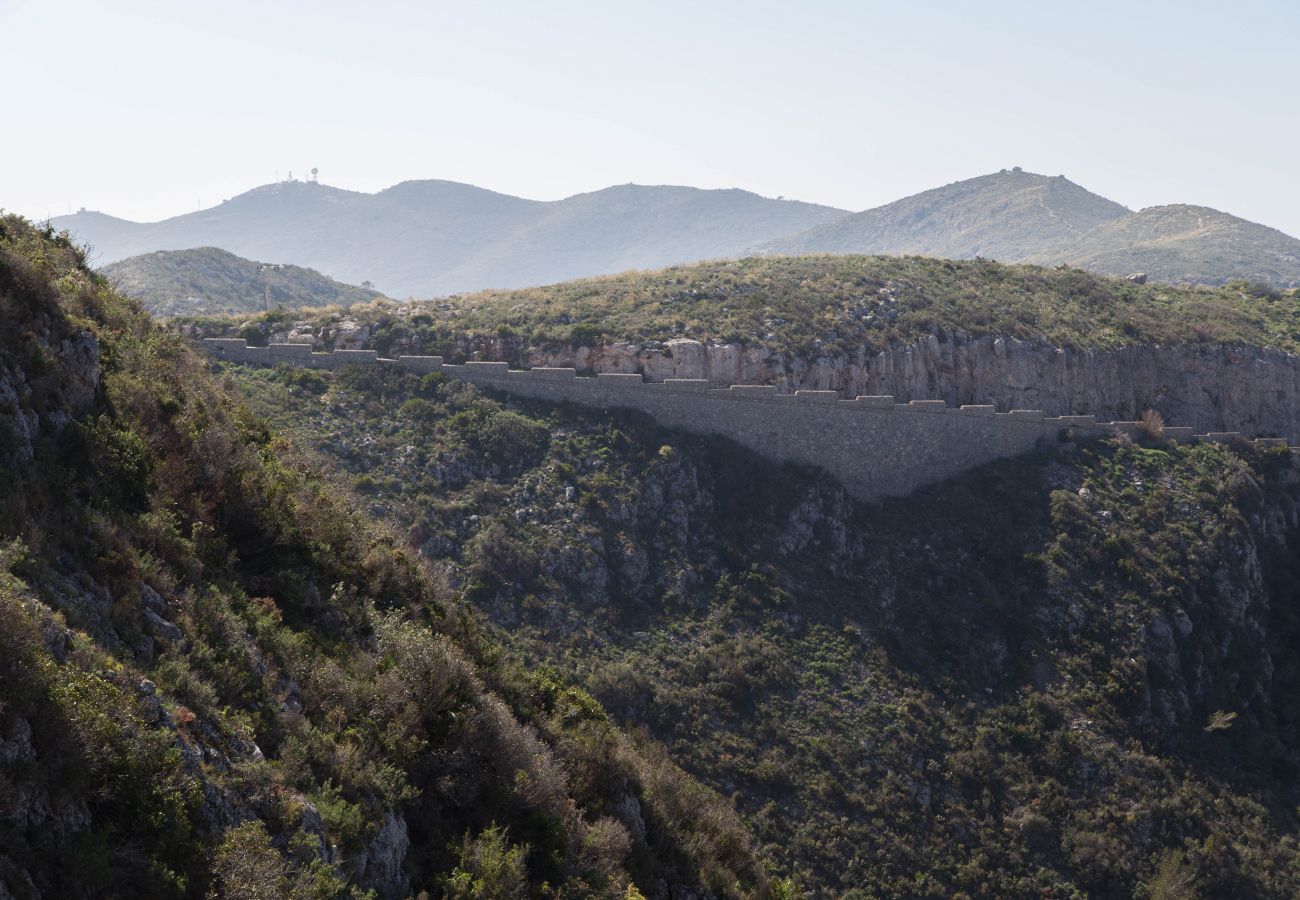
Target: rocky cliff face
column 1207, row 387
column 31, row 403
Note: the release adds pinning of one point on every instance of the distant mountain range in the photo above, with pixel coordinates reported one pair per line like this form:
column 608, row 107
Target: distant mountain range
column 426, row 238
column 207, row 280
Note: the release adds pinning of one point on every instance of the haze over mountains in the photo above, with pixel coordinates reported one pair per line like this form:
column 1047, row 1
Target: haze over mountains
column 436, row 237
column 425, row 238
column 1008, row 215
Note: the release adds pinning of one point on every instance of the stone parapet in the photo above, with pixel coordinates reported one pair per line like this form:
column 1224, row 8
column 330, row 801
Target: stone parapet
column 874, row 446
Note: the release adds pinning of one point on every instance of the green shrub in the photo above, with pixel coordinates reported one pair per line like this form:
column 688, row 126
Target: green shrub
column 489, row 868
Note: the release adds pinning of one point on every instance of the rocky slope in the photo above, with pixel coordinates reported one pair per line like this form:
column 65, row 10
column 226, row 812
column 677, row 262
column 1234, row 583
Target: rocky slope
column 1093, row 698
column 218, row 679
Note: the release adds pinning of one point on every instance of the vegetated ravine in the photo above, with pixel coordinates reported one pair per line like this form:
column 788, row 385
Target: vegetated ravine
column 1061, row 675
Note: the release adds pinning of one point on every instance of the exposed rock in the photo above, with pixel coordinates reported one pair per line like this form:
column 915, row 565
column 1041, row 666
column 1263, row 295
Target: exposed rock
column 16, row 743
column 628, row 812
column 311, row 825
column 1207, row 387
column 160, row 628
column 79, row 355
column 380, row 866
column 152, row 600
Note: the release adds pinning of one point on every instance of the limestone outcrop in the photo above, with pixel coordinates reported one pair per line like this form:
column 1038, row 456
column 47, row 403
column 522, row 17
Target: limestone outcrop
column 875, row 445
column 1207, row 387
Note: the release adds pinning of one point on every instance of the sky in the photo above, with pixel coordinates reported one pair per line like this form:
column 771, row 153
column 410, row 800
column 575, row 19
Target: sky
column 150, row 108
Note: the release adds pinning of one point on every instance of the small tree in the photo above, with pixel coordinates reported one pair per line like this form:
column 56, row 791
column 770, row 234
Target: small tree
column 1151, row 424
column 248, row 867
column 489, row 869
column 1175, row 878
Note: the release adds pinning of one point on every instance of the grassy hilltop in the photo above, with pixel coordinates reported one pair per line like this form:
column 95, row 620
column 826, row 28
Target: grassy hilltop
column 823, row 305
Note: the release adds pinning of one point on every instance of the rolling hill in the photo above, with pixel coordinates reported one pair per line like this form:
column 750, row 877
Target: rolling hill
column 1183, row 244
column 206, row 280
column 435, row 237
column 1008, row 215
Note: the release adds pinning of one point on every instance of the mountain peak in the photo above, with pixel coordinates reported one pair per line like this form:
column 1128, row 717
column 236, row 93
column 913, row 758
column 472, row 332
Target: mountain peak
column 1008, row 214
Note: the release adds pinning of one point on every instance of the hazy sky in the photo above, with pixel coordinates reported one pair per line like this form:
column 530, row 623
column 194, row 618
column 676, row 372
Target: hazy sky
column 146, row 109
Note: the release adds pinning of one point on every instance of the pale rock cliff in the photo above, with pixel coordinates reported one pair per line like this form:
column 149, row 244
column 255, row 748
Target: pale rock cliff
column 1210, row 387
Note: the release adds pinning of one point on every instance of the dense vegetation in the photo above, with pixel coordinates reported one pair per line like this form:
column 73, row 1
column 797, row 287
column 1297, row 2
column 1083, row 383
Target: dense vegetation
column 206, row 281
column 814, row 306
column 1071, row 674
column 219, row 679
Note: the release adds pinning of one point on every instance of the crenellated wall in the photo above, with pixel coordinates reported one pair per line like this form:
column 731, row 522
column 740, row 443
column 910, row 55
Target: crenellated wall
column 875, row 446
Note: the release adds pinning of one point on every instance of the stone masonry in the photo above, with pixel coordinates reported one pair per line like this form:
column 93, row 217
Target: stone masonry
column 874, row 446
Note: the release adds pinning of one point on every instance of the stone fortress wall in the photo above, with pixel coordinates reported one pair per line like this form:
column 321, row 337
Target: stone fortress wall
column 874, row 446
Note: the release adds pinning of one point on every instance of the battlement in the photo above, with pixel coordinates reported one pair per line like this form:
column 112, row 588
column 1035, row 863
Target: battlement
column 874, row 445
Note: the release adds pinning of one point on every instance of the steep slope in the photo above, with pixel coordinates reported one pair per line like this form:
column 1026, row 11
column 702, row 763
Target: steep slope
column 207, row 281
column 218, row 679
column 436, row 237
column 1094, row 699
column 1008, row 215
column 1184, row 245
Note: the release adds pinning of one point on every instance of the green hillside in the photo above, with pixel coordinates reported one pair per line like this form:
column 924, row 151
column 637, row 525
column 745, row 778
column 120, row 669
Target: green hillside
column 823, row 305
column 1094, row 698
column 208, row 281
column 219, row 679
column 1185, row 245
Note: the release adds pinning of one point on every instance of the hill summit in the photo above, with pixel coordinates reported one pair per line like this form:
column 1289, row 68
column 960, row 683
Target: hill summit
column 209, row 280
column 1009, row 215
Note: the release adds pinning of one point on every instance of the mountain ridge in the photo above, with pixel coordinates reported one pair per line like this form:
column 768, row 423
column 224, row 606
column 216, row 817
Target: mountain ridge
column 435, row 237
column 965, row 219
column 1185, row 242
